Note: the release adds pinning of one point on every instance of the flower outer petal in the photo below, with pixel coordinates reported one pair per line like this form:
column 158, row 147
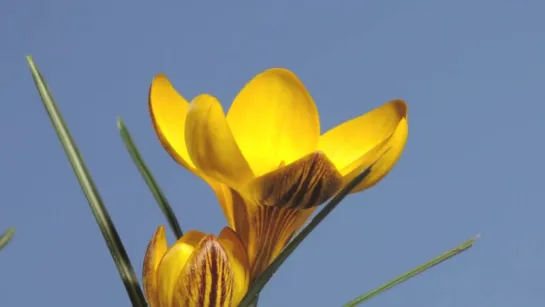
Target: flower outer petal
column 271, row 230
column 303, row 184
column 157, row 248
column 168, row 110
column 274, row 120
column 208, row 278
column 173, row 263
column 263, row 230
column 373, row 157
column 352, row 139
column 396, row 144
column 238, row 259
column 211, row 145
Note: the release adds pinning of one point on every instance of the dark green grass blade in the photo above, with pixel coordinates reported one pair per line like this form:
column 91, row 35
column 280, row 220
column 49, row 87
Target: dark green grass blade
column 412, row 273
column 6, row 237
column 149, row 179
column 100, row 213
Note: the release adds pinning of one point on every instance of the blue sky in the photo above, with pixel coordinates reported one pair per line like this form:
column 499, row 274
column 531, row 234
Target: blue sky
column 471, row 72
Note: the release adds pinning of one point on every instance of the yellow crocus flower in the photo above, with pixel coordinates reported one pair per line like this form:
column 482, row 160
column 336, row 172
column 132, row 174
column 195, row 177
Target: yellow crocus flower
column 198, row 270
column 266, row 159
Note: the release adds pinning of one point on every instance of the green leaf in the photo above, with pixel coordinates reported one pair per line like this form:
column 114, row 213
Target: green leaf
column 149, row 179
column 6, row 237
column 100, row 213
column 264, row 278
column 428, row 265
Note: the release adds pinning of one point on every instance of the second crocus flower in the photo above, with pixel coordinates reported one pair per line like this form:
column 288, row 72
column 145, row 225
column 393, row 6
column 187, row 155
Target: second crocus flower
column 198, row 270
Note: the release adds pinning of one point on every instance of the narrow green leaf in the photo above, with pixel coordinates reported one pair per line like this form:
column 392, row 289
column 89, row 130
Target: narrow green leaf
column 100, row 213
column 149, row 179
column 6, row 237
column 262, row 280
column 428, row 265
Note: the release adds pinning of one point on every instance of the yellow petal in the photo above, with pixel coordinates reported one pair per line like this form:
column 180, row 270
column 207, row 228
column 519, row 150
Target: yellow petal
column 303, row 184
column 396, row 144
column 173, row 263
column 274, row 120
column 211, row 145
column 168, row 111
column 351, row 141
column 208, row 278
column 157, row 248
column 238, row 259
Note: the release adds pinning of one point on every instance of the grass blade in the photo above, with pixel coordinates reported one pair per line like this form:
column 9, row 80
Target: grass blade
column 149, row 179
column 428, row 265
column 6, row 237
column 262, row 280
column 100, row 213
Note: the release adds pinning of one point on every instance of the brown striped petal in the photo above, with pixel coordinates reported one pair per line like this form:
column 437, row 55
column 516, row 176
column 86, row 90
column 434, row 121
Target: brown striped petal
column 238, row 258
column 157, row 248
column 271, row 230
column 303, row 184
column 211, row 277
column 264, row 230
column 173, row 262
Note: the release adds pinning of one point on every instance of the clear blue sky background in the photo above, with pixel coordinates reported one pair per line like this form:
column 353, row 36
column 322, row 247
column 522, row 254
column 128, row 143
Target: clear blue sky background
column 471, row 72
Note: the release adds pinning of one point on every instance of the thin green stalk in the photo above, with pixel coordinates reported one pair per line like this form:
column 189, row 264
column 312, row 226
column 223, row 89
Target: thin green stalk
column 149, row 179
column 100, row 213
column 6, row 237
column 451, row 253
column 262, row 280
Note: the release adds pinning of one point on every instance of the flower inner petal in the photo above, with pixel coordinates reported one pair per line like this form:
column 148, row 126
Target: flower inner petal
column 211, row 145
column 274, row 120
column 172, row 264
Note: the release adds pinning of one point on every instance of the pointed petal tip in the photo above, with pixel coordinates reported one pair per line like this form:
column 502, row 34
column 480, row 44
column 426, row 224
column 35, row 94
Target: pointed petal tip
column 401, row 106
column 159, row 82
column 226, row 231
column 160, row 76
column 155, row 251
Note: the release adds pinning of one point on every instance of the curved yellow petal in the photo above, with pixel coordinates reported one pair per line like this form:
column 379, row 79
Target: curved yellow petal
column 353, row 139
column 168, row 110
column 211, row 145
column 173, row 263
column 157, row 248
column 274, row 120
column 395, row 146
column 208, row 278
column 303, row 184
